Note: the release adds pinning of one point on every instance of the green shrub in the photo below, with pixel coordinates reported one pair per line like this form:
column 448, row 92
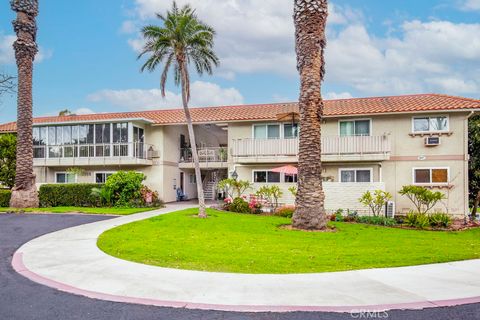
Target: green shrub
column 417, row 220
column 8, row 159
column 68, row 195
column 411, row 219
column 351, row 216
column 126, row 187
column 5, row 196
column 440, row 220
column 375, row 201
column 377, row 220
column 105, row 195
column 286, row 212
column 424, row 221
column 422, row 198
column 239, row 205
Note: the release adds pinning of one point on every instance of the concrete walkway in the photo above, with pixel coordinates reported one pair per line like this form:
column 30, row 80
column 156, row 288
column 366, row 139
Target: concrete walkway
column 69, row 260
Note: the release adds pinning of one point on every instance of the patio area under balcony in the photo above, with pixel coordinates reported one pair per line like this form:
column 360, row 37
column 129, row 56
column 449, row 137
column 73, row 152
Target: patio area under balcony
column 334, row 149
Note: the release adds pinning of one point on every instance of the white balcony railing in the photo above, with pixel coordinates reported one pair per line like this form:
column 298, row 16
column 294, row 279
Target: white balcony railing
column 331, row 145
column 210, row 154
column 109, row 150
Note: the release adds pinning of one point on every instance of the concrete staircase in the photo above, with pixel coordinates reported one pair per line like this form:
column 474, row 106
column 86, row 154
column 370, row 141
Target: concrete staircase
column 209, row 190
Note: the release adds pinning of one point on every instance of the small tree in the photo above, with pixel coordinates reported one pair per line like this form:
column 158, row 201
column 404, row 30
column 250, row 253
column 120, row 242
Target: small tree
column 234, row 188
column 375, row 201
column 293, row 190
column 422, row 198
column 271, row 194
column 8, row 159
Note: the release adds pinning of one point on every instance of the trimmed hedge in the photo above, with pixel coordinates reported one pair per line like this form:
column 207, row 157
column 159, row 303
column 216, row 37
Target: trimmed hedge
column 68, row 195
column 5, row 196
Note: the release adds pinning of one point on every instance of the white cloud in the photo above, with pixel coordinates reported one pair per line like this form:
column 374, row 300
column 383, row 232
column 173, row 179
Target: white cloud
column 6, row 50
column 252, row 36
column 436, row 56
column 258, row 37
column 202, row 94
column 336, row 96
column 128, row 27
column 7, row 55
column 81, row 111
column 470, row 5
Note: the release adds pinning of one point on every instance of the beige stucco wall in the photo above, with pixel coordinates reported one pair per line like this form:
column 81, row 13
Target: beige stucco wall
column 407, row 153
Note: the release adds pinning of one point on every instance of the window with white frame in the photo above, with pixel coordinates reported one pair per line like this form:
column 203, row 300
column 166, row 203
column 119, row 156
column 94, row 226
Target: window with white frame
column 65, row 177
column 430, row 124
column 265, row 176
column 431, row 175
column 101, row 177
column 290, row 130
column 355, row 128
column 192, row 179
column 266, row 131
column 291, row 178
column 356, row 175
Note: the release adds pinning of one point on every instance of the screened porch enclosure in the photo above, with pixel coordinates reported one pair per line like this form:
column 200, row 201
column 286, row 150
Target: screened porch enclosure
column 89, row 140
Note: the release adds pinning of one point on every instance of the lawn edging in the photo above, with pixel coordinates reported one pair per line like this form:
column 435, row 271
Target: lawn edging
column 234, row 292
column 255, row 244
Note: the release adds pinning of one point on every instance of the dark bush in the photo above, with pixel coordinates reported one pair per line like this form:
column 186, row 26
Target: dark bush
column 68, row 195
column 239, row 205
column 377, row 220
column 5, row 196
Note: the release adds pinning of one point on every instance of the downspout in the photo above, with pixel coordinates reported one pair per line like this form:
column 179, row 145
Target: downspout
column 380, row 172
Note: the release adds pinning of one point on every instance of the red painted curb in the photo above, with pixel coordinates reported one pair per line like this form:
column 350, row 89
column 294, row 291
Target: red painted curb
column 19, row 266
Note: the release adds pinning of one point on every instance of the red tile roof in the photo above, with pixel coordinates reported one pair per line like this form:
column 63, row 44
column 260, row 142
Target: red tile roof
column 333, row 108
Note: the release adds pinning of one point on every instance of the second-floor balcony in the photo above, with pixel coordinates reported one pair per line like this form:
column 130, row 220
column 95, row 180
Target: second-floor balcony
column 128, row 153
column 334, row 148
column 209, row 157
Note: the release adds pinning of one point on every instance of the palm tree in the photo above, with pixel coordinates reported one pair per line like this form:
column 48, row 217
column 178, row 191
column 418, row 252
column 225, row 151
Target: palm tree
column 310, row 21
column 24, row 193
column 182, row 40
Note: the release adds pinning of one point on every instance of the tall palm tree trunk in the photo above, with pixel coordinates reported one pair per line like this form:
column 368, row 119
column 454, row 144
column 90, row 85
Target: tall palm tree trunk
column 191, row 134
column 310, row 21
column 24, row 193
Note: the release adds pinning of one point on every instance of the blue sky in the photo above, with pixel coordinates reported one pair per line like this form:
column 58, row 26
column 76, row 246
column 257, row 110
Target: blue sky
column 87, row 62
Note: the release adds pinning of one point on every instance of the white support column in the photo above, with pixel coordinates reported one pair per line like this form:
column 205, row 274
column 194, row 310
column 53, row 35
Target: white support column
column 130, row 140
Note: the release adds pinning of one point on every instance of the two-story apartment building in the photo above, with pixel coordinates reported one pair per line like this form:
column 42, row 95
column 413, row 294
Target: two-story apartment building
column 367, row 144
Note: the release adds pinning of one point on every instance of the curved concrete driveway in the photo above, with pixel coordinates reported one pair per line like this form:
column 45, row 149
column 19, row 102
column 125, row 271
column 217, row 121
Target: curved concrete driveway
column 69, row 260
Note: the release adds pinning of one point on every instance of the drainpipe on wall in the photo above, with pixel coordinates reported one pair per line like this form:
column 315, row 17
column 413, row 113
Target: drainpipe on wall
column 380, row 172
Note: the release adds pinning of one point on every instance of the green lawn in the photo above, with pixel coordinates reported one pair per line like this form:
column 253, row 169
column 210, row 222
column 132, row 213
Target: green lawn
column 228, row 242
column 114, row 211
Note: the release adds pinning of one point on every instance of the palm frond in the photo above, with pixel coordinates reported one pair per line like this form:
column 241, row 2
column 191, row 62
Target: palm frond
column 183, row 40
